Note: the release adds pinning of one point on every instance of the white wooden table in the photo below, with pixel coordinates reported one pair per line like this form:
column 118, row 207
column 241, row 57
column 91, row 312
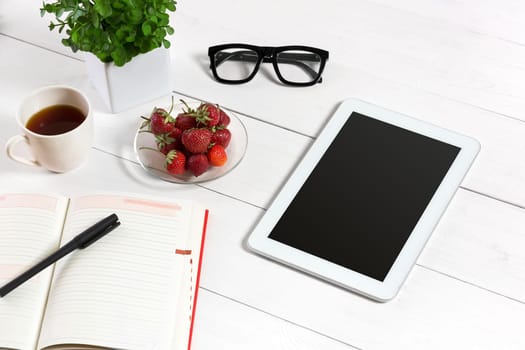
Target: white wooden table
column 458, row 64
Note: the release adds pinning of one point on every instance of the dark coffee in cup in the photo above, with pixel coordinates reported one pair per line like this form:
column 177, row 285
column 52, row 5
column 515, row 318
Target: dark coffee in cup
column 57, row 126
column 55, row 120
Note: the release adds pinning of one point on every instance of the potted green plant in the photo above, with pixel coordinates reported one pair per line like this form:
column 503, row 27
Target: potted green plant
column 125, row 44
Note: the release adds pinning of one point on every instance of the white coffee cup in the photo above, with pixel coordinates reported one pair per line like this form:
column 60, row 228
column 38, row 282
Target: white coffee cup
column 60, row 152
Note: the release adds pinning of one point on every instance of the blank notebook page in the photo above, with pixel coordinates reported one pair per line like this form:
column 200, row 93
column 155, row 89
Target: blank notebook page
column 122, row 291
column 30, row 230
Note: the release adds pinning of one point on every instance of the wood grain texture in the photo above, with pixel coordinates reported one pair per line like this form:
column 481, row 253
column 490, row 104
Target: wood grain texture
column 235, row 326
column 430, row 300
column 495, row 172
column 475, row 242
column 433, row 46
column 503, row 20
column 252, row 182
column 457, row 64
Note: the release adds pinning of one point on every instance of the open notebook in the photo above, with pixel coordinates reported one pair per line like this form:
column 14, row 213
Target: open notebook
column 135, row 288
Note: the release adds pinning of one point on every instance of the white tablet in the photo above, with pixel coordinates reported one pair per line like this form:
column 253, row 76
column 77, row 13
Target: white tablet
column 363, row 201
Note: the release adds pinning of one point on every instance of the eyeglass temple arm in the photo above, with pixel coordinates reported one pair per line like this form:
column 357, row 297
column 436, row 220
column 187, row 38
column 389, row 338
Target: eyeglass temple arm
column 287, row 58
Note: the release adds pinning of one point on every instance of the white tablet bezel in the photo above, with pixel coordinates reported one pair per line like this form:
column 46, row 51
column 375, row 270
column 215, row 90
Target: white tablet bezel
column 259, row 241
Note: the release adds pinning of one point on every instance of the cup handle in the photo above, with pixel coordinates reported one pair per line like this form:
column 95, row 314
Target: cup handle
column 9, row 149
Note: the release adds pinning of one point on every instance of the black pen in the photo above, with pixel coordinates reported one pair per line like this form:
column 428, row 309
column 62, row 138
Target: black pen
column 81, row 241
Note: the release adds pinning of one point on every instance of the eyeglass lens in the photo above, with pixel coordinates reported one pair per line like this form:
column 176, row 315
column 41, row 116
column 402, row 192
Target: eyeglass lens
column 235, row 64
column 296, row 66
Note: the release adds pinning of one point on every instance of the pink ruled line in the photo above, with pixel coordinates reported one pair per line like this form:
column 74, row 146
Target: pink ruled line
column 125, row 203
column 21, row 200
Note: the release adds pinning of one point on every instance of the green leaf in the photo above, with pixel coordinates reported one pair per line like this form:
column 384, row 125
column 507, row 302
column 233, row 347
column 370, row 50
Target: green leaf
column 95, row 20
column 119, row 56
column 135, row 16
column 164, row 19
column 74, row 36
column 171, row 6
column 131, row 36
column 160, row 33
column 113, row 30
column 103, row 7
column 146, row 28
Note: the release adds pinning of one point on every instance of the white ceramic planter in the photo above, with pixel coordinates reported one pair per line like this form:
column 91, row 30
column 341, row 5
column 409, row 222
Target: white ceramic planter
column 146, row 77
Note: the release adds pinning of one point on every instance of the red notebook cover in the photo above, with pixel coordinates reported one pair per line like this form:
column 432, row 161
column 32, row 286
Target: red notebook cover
column 198, row 277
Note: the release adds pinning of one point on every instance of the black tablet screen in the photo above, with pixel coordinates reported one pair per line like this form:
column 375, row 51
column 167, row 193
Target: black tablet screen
column 366, row 194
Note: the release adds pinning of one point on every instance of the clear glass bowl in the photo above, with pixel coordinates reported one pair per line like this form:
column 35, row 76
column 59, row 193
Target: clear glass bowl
column 153, row 161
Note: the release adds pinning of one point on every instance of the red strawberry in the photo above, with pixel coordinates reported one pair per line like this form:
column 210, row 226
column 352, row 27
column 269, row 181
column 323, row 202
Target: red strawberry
column 185, row 121
column 175, row 162
column 224, row 120
column 197, row 164
column 217, row 155
column 196, row 140
column 160, row 121
column 221, row 137
column 175, row 133
column 208, row 114
column 166, row 147
column 167, row 142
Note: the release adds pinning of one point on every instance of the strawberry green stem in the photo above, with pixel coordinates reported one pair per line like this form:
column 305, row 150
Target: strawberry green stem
column 184, row 103
column 171, row 108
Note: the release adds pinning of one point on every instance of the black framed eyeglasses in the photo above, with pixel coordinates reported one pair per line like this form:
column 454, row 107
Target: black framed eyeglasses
column 294, row 65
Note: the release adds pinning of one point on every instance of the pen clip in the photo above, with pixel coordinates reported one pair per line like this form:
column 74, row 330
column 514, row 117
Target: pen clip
column 98, row 231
